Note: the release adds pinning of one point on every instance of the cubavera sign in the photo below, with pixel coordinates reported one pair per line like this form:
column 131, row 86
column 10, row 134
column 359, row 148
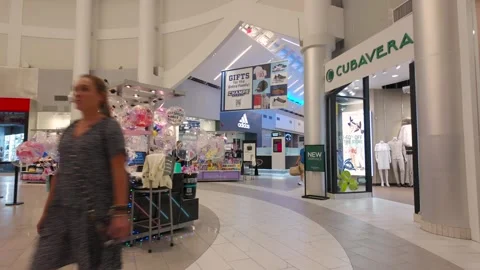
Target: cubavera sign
column 388, row 48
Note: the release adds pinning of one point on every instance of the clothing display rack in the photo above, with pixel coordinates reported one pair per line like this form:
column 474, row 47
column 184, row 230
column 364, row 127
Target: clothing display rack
column 168, row 171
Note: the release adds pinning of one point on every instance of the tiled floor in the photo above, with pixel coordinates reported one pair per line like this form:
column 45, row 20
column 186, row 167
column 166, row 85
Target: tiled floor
column 393, row 193
column 263, row 224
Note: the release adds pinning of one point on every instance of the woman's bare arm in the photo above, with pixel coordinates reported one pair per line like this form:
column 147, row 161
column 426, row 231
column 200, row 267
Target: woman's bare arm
column 120, row 183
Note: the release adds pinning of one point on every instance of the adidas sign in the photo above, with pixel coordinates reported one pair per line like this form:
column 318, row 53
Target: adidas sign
column 243, row 123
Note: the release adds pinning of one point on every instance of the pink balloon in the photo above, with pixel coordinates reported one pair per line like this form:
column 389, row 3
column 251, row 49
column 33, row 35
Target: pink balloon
column 29, row 152
column 139, row 116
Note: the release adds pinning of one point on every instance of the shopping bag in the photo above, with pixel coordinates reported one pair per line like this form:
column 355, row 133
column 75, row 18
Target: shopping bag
column 295, row 171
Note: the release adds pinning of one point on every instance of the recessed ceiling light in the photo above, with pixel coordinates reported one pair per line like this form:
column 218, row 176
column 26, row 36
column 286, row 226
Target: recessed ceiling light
column 385, row 72
column 153, row 91
column 357, row 80
column 301, row 94
column 394, row 75
column 293, row 84
column 374, row 76
column 346, row 88
column 136, row 96
column 298, row 89
column 234, row 61
column 398, row 67
column 128, row 86
column 356, row 88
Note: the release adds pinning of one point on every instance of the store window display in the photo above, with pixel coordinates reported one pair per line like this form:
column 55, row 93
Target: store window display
column 383, row 158
column 399, row 155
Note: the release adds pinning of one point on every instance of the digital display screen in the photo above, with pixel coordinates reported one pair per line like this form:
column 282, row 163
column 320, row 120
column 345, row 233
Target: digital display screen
column 277, row 146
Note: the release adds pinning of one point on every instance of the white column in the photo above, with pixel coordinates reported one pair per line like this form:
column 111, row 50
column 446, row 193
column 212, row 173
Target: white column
column 14, row 48
column 442, row 150
column 316, row 51
column 146, row 41
column 83, row 32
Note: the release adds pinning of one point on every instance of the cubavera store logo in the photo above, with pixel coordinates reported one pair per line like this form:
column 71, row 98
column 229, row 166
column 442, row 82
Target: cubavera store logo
column 367, row 58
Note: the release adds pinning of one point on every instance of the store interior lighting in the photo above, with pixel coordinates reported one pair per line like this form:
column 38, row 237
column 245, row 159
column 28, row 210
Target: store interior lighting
column 234, row 61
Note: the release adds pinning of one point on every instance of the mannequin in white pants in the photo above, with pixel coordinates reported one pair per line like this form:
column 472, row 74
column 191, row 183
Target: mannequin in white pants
column 399, row 153
column 383, row 158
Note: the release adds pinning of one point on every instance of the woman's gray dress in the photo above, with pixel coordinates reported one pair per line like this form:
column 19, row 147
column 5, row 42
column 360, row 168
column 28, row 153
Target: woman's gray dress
column 63, row 237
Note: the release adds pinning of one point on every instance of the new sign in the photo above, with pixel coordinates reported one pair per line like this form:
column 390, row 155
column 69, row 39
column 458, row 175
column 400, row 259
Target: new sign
column 384, row 50
column 315, row 158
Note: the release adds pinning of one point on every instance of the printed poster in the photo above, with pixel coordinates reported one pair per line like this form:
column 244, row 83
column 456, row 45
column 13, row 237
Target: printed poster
column 261, row 86
column 279, row 85
column 353, row 139
column 238, row 89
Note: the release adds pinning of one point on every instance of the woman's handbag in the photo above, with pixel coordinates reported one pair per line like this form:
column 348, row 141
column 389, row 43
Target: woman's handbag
column 295, row 171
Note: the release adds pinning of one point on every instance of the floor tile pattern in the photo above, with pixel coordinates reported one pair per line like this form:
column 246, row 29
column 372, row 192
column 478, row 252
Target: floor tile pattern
column 367, row 247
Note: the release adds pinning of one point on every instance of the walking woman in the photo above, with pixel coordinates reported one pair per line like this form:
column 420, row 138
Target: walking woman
column 86, row 209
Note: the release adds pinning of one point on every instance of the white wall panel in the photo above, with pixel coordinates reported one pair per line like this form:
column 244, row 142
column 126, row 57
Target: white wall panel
column 178, row 45
column 296, row 5
column 284, row 122
column 117, row 14
column 180, row 9
column 49, row 13
column 47, row 53
column 3, row 49
column 4, row 11
column 200, row 100
column 365, row 18
column 111, row 54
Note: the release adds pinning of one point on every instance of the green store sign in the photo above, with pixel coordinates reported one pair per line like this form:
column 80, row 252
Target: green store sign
column 367, row 58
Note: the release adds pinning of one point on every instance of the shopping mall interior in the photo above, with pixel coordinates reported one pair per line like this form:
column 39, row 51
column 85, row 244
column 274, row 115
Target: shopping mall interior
column 266, row 134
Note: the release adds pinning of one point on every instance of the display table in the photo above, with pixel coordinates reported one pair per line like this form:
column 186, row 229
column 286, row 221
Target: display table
column 205, row 176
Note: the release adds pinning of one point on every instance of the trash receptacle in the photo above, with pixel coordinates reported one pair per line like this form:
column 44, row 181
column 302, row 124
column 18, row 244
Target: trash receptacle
column 189, row 186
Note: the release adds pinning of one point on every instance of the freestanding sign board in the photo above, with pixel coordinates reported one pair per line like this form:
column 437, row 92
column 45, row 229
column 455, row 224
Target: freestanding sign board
column 315, row 158
column 315, row 167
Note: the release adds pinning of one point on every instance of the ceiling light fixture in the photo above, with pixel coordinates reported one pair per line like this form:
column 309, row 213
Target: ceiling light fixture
column 234, row 61
column 398, row 67
column 298, row 89
column 293, row 84
column 374, row 76
column 301, row 94
column 136, row 95
column 385, row 72
column 291, row 42
column 394, row 76
column 356, row 88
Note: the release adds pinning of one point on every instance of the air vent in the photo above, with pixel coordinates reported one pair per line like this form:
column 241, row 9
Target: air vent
column 402, row 10
column 197, row 80
column 264, row 116
column 60, row 98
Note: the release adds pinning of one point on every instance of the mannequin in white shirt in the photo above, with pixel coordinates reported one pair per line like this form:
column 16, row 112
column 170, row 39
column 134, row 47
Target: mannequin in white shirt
column 399, row 155
column 383, row 158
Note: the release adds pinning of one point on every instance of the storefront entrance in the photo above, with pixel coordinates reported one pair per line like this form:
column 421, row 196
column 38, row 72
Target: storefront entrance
column 371, row 140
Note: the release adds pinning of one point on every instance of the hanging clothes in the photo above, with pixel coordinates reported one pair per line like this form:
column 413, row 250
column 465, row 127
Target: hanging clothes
column 405, row 135
column 382, row 156
column 153, row 171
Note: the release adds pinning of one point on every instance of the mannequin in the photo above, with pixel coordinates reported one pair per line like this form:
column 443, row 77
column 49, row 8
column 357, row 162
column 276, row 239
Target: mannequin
column 399, row 155
column 383, row 158
column 405, row 135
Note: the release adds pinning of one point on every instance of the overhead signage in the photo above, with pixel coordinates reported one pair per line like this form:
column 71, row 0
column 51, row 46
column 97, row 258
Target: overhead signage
column 243, row 122
column 262, row 86
column 377, row 53
column 384, row 50
column 238, row 89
